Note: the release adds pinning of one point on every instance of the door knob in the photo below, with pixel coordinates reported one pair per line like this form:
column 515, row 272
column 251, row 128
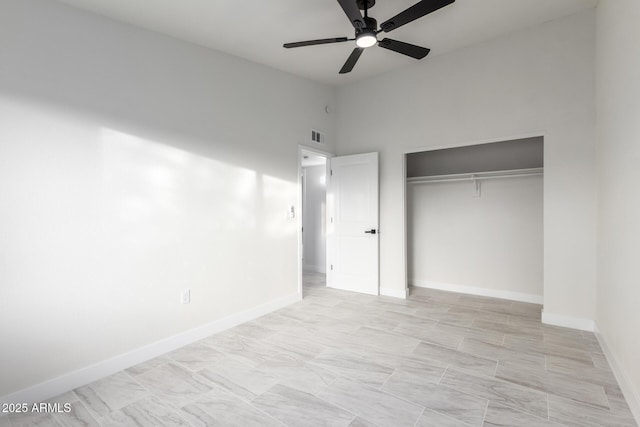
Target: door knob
column 372, row 231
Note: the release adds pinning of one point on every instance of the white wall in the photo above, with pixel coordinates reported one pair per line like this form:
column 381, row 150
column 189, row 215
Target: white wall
column 492, row 242
column 315, row 233
column 618, row 68
column 537, row 81
column 133, row 166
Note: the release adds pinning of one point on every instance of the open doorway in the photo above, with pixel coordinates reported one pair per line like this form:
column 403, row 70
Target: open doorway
column 313, row 230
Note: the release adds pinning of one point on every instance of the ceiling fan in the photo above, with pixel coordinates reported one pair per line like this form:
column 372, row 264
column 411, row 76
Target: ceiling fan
column 367, row 32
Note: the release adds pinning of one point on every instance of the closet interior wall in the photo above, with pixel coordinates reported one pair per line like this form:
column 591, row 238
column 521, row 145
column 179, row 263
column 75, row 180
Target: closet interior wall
column 475, row 219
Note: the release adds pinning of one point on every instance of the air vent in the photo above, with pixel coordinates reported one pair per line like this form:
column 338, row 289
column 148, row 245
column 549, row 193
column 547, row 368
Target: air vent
column 317, row 136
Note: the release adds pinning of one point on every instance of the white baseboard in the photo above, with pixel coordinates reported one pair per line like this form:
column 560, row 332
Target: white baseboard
column 395, row 293
column 630, row 392
column 568, row 321
column 69, row 381
column 473, row 290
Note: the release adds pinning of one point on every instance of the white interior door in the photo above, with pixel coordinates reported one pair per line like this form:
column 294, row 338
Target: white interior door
column 352, row 223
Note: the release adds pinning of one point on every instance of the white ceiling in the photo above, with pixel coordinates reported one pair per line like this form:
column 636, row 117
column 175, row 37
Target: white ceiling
column 256, row 29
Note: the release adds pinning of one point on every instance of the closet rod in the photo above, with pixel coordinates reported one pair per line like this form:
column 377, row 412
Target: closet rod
column 477, row 176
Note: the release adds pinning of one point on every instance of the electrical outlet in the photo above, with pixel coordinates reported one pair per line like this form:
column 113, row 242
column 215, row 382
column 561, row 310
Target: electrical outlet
column 185, row 297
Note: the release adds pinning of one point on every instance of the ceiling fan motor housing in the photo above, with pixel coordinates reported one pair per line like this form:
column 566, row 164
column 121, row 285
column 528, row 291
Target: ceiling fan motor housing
column 370, row 25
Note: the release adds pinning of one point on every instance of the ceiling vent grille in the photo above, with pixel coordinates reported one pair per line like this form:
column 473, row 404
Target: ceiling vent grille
column 317, row 136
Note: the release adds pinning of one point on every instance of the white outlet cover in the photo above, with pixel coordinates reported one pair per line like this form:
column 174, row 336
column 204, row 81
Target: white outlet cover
column 186, row 296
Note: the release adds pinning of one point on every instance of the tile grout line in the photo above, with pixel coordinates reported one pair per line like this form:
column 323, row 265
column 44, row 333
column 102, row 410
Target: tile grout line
column 340, row 376
column 338, row 405
column 49, row 417
column 443, row 374
column 171, row 408
column 464, row 423
column 548, row 408
column 501, row 381
column 250, row 403
column 486, row 409
column 388, row 378
column 97, row 417
column 404, row 399
column 460, row 344
column 606, row 397
column 243, row 400
column 85, row 407
column 419, row 416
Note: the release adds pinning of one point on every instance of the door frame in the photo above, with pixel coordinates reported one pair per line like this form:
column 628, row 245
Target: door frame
column 327, row 154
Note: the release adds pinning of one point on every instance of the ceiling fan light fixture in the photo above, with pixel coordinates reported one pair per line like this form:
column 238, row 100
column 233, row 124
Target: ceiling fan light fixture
column 366, row 39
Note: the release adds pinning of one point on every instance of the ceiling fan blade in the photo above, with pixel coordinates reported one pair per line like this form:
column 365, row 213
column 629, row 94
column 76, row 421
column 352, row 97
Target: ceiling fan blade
column 352, row 11
column 351, row 60
column 416, row 11
column 315, row 42
column 404, row 48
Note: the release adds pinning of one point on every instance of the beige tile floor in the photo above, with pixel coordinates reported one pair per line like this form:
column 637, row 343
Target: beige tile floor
column 344, row 359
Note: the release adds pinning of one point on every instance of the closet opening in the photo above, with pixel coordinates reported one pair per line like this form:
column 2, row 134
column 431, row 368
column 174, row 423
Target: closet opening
column 475, row 219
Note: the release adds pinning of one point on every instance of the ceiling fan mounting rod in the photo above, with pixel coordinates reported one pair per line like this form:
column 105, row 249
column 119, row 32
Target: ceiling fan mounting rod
column 368, row 4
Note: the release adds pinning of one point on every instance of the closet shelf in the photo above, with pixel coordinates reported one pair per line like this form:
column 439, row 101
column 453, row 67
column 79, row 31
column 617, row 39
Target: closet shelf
column 476, row 176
